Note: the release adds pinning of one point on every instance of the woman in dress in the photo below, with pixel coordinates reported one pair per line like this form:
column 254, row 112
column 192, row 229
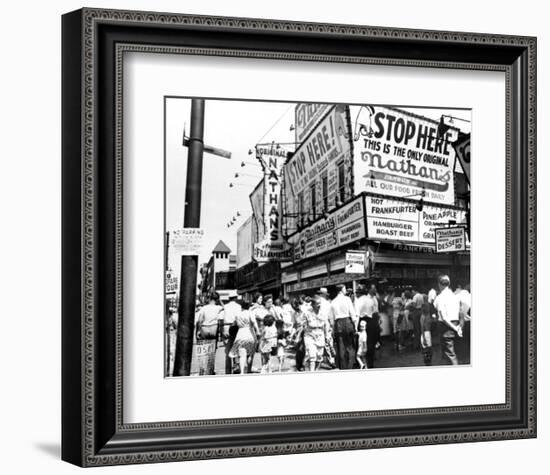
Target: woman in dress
column 258, row 310
column 244, row 345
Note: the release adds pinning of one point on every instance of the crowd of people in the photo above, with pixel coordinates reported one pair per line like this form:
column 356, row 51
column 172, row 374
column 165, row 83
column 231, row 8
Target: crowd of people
column 313, row 332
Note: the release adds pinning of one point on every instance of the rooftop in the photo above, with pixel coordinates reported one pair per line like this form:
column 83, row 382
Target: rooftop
column 221, row 247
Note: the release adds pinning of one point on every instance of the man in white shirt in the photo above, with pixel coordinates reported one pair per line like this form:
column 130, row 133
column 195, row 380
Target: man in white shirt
column 343, row 314
column 325, row 302
column 432, row 294
column 447, row 306
column 366, row 306
column 230, row 329
column 416, row 311
column 465, row 300
column 208, row 319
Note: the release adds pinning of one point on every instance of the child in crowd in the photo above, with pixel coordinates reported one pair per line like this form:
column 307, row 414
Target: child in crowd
column 426, row 333
column 361, row 355
column 268, row 342
column 282, row 336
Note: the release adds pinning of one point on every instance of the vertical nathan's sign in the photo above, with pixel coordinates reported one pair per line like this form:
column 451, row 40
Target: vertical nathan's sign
column 400, row 154
column 272, row 247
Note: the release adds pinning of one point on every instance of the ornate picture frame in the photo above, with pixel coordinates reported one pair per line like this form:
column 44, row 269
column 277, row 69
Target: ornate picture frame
column 94, row 41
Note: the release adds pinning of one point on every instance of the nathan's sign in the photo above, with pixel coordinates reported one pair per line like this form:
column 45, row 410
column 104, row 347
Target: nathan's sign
column 341, row 227
column 272, row 251
column 402, row 155
column 450, row 239
column 306, row 118
column 271, row 245
column 400, row 221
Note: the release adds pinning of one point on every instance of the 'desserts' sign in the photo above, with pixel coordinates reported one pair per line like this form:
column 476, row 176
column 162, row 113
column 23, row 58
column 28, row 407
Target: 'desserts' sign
column 450, row 239
column 401, row 155
column 400, row 221
column 341, row 227
column 272, row 246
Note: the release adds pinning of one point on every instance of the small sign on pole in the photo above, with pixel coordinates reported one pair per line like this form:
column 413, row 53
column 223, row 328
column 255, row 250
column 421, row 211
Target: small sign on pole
column 204, row 357
column 355, row 262
column 171, row 282
column 450, row 239
column 187, row 241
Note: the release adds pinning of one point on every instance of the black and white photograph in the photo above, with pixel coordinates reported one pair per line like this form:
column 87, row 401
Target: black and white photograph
column 303, row 237
column 247, row 237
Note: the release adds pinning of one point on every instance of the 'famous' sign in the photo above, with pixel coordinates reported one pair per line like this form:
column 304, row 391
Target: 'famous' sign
column 402, row 155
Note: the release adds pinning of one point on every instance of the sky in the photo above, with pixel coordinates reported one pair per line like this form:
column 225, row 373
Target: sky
column 235, row 126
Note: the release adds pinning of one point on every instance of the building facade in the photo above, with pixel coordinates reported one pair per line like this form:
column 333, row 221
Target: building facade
column 218, row 274
column 378, row 180
column 373, row 179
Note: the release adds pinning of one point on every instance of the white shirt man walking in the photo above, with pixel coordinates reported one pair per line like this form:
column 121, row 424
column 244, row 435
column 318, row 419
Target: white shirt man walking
column 366, row 306
column 342, row 312
column 447, row 306
column 230, row 329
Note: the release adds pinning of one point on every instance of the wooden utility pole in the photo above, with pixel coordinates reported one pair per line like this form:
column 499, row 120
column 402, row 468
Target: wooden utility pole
column 189, row 264
column 192, row 216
